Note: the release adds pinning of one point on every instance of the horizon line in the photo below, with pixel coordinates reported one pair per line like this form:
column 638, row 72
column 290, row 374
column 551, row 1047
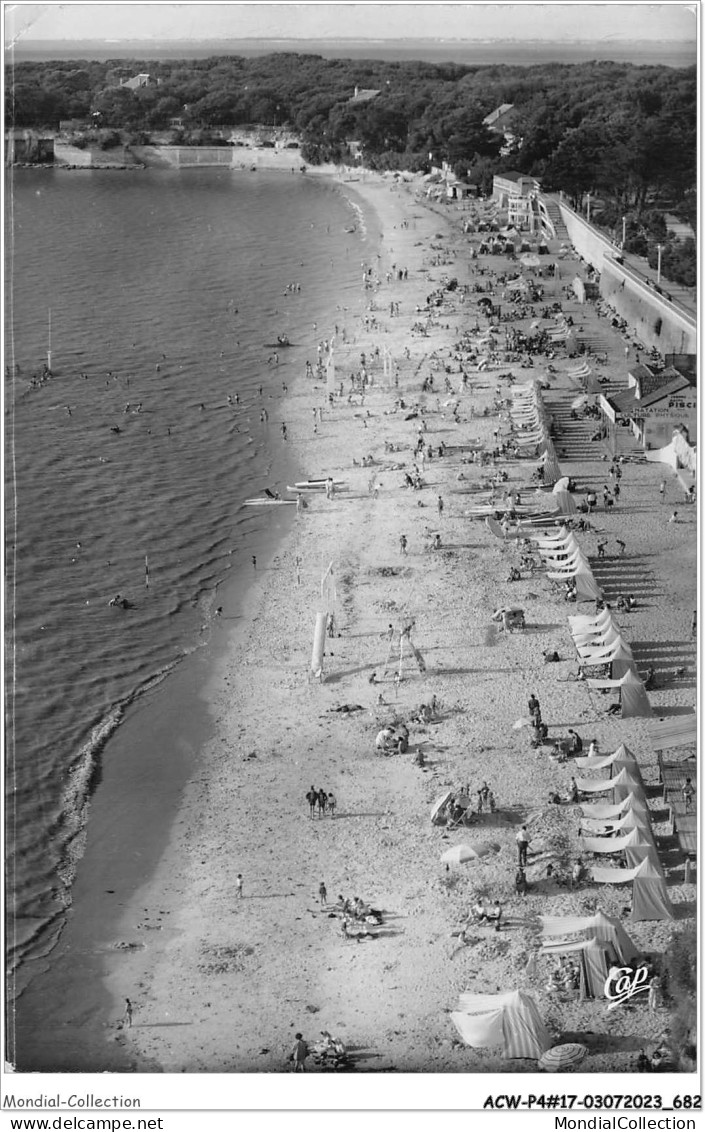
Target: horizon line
column 350, row 39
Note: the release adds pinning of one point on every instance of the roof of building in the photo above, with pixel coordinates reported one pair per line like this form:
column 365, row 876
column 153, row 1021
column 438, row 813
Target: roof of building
column 667, row 389
column 512, row 175
column 668, row 382
column 492, row 118
column 623, row 402
column 363, row 95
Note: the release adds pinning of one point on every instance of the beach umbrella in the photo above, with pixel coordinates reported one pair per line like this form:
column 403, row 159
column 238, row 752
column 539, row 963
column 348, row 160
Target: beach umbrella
column 468, row 854
column 523, row 722
column 439, row 804
column 531, row 261
column 558, row 1058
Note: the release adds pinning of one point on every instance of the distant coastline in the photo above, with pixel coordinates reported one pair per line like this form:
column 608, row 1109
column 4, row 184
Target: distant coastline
column 669, row 53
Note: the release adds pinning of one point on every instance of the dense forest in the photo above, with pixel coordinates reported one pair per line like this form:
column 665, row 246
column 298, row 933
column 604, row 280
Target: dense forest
column 624, row 134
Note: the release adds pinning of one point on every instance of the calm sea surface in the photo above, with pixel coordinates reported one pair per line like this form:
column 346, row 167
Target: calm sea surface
column 163, row 290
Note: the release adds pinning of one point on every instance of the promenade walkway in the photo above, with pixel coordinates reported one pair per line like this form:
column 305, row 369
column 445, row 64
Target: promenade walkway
column 683, row 297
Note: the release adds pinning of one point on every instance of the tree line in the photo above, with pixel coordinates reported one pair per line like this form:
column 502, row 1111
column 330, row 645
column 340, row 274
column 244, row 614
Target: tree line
column 626, row 134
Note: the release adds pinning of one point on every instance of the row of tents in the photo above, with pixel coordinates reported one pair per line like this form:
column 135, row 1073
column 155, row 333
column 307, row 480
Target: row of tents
column 532, row 426
column 598, row 641
column 623, row 826
column 565, row 561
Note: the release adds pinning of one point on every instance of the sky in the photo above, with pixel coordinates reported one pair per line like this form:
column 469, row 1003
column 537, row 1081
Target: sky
column 361, row 21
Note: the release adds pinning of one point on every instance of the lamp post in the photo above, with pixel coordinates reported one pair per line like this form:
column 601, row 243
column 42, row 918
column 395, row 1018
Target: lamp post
column 588, row 208
column 659, row 249
column 624, row 231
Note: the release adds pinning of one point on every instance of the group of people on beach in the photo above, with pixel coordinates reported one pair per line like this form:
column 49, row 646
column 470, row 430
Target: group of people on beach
column 321, row 802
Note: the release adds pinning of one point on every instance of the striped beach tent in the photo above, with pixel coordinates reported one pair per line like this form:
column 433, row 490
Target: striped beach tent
column 510, row 1020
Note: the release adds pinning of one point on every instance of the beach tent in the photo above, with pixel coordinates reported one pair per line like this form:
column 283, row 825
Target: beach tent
column 637, row 836
column 638, row 814
column 585, row 584
column 562, row 484
column 595, row 762
column 601, row 927
column 635, row 702
column 624, row 759
column 603, row 811
column 579, row 622
column 649, row 895
column 553, row 540
column 621, row 758
column 551, row 467
column 594, row 957
column 623, row 783
column 617, row 654
column 566, row 503
column 511, row 1020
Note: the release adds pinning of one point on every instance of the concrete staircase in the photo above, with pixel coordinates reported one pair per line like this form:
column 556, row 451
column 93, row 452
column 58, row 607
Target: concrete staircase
column 572, row 437
column 554, row 213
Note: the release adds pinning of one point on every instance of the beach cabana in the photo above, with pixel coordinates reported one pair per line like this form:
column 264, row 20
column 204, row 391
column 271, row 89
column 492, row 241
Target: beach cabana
column 624, row 815
column 604, row 944
column 510, row 1020
column 586, row 587
column 620, row 758
column 594, row 959
column 603, row 928
column 649, row 894
column 633, row 698
column 640, row 836
column 623, row 784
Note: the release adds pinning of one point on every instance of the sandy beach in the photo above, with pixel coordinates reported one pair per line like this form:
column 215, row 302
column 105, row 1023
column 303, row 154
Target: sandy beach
column 219, row 983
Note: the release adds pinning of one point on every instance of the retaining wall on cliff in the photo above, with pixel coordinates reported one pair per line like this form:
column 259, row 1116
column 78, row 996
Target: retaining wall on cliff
column 655, row 320
column 227, row 157
column 117, row 157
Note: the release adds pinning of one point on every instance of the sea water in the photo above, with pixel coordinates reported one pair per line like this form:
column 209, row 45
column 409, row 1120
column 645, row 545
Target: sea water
column 159, row 295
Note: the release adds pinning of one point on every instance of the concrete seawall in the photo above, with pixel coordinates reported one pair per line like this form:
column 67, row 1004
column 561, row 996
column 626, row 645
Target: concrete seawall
column 656, row 321
column 119, row 157
column 226, row 157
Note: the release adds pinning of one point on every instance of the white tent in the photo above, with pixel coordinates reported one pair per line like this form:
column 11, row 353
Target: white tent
column 637, row 835
column 649, row 895
column 604, row 811
column 623, row 783
column 639, row 816
column 583, row 622
column 511, row 1020
column 632, row 691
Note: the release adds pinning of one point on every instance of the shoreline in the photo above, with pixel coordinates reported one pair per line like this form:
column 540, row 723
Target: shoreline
column 226, row 967
column 156, row 719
